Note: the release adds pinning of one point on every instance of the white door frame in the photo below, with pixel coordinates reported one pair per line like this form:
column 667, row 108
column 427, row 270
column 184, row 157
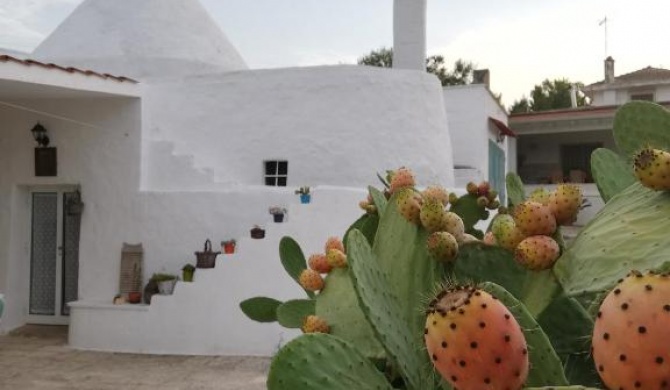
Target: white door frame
column 57, row 318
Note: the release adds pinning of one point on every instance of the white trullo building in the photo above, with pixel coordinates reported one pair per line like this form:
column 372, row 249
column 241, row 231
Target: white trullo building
column 170, row 139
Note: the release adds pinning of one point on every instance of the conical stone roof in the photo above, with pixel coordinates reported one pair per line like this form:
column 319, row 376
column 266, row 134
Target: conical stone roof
column 142, row 39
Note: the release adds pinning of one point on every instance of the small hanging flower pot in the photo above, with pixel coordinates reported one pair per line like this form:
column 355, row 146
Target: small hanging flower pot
column 305, row 196
column 257, row 233
column 278, row 213
column 228, row 247
column 187, row 272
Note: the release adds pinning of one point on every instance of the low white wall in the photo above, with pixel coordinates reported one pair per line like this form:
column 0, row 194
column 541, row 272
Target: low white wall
column 468, row 125
column 203, row 317
column 336, row 125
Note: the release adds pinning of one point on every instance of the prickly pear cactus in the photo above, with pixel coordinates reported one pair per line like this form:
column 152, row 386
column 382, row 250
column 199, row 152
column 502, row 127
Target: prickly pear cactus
column 628, row 233
column 382, row 296
column 640, row 124
column 611, row 173
column 338, row 305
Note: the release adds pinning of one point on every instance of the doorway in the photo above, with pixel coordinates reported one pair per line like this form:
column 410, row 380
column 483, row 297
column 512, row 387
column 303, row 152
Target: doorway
column 497, row 171
column 55, row 220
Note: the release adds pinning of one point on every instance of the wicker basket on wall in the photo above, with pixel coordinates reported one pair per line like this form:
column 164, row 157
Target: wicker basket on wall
column 206, row 258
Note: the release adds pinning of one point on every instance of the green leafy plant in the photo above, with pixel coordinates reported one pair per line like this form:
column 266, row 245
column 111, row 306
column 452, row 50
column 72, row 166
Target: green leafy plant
column 161, row 277
column 302, row 190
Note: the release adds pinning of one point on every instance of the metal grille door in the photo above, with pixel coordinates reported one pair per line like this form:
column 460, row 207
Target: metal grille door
column 43, row 253
column 54, row 256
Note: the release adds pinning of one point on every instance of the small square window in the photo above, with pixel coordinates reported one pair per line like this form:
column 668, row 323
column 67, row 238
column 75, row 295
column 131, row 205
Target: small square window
column 271, row 167
column 276, row 173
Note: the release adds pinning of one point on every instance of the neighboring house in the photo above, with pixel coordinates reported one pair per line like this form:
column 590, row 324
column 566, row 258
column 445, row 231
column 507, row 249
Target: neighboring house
column 484, row 146
column 555, row 146
column 170, row 140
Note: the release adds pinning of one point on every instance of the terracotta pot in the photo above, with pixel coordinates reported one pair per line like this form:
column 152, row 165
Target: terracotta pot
column 228, row 248
column 134, row 297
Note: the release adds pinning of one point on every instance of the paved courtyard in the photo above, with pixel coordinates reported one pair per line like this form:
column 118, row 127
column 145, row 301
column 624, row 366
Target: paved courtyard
column 39, row 359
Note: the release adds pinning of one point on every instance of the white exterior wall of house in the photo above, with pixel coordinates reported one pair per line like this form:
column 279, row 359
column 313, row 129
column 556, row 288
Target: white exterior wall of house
column 184, row 163
column 621, row 95
column 102, row 159
column 335, row 125
column 468, row 110
column 466, row 116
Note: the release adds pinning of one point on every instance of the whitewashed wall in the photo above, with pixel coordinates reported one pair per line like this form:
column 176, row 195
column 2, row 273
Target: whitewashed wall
column 465, row 106
column 102, row 158
column 621, row 96
column 336, row 125
column 468, row 110
column 141, row 39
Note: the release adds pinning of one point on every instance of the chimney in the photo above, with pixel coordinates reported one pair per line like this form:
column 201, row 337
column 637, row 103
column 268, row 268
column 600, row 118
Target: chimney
column 609, row 70
column 409, row 34
column 573, row 95
column 481, row 76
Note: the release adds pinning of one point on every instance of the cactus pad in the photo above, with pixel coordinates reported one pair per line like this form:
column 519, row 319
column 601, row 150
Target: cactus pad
column 324, row 362
column 293, row 260
column 628, row 233
column 261, row 309
column 338, row 305
column 639, row 124
column 515, row 190
column 379, row 199
column 291, row 314
column 400, row 248
column 367, row 224
column 611, row 173
column 386, row 315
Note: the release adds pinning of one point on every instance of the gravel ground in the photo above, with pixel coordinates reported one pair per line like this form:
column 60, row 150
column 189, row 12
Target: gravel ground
column 39, row 359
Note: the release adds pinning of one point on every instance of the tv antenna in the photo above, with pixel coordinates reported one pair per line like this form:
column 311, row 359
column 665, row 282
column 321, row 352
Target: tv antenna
column 604, row 23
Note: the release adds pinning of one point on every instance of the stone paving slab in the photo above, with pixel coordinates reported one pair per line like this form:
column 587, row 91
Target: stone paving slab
column 30, row 363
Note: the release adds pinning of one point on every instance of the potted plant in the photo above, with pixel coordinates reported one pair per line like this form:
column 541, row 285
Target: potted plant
column 228, row 246
column 166, row 283
column 305, row 196
column 135, row 296
column 257, row 232
column 187, row 272
column 278, row 213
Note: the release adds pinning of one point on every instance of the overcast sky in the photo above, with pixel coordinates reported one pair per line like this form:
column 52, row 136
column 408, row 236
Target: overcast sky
column 522, row 42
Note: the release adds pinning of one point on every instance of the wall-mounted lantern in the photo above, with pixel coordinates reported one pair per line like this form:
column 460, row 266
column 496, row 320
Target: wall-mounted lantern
column 45, row 156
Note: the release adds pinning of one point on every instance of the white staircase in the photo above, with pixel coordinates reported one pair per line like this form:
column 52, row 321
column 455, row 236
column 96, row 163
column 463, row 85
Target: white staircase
column 203, row 317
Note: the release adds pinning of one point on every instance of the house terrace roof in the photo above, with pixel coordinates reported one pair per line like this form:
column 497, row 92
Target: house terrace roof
column 29, row 62
column 566, row 120
column 641, row 76
column 566, row 113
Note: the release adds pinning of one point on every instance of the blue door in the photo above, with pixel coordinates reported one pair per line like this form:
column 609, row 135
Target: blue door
column 497, row 170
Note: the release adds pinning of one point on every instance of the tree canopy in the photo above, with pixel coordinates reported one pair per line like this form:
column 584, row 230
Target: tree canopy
column 549, row 95
column 460, row 74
